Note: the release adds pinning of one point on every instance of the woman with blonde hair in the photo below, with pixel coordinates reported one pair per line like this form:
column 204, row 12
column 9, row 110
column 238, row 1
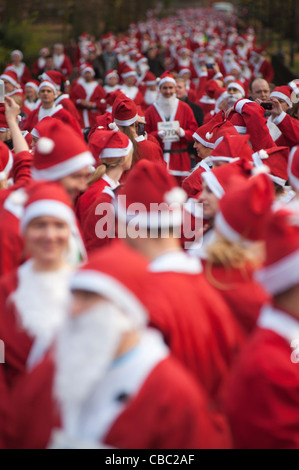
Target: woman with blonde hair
column 237, row 250
column 113, row 152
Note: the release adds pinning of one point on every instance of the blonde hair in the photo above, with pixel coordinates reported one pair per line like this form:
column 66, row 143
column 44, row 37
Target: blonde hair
column 106, row 163
column 231, row 255
column 130, row 132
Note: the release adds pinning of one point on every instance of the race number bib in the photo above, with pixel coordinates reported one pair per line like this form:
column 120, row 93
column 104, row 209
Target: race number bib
column 169, row 128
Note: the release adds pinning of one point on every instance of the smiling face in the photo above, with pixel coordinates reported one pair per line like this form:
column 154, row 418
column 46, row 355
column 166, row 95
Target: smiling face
column 47, row 239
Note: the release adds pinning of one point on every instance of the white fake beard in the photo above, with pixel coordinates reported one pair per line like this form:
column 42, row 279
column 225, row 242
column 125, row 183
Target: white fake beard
column 167, row 104
column 150, row 96
column 85, row 348
column 232, row 99
column 42, row 300
column 58, row 60
column 143, row 69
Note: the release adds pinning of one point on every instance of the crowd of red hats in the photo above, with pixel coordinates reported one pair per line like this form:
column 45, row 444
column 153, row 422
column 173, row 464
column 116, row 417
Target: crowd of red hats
column 149, row 242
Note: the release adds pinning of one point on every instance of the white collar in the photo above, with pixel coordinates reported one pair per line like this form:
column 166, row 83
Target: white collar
column 110, row 181
column 176, row 261
column 280, row 322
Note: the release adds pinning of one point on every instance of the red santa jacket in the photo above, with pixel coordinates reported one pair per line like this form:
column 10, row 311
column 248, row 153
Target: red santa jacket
column 57, row 112
column 286, row 133
column 243, row 295
column 175, row 153
column 256, row 124
column 92, row 92
column 161, row 387
column 268, row 416
column 87, row 198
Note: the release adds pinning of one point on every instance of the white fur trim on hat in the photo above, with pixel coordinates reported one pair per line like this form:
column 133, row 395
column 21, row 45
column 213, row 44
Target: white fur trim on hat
column 10, row 80
column 205, row 143
column 213, row 184
column 166, row 79
column 237, row 86
column 65, row 168
column 280, row 276
column 47, row 207
column 48, row 84
column 111, row 288
column 282, row 96
column 127, row 122
column 225, row 229
column 32, row 85
column 116, row 152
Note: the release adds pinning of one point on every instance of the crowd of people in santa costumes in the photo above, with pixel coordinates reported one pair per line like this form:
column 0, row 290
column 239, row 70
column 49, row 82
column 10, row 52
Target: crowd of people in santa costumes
column 149, row 275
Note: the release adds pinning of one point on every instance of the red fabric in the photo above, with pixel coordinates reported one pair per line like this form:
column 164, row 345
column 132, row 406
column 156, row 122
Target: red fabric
column 193, row 183
column 87, row 199
column 200, row 333
column 262, row 397
column 178, row 161
column 169, row 392
column 20, row 172
column 96, row 222
column 78, row 92
column 11, row 243
column 150, row 150
column 243, row 295
column 16, row 340
column 67, row 103
column 62, row 114
column 256, row 124
column 289, row 128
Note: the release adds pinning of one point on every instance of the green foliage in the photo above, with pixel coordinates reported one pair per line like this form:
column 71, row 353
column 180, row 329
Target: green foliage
column 19, row 35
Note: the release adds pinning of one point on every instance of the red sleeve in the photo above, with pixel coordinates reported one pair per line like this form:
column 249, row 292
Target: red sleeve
column 290, row 130
column 256, row 124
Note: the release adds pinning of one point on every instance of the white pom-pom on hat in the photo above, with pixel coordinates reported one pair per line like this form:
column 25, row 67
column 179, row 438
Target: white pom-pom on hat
column 45, row 145
column 209, row 135
column 175, row 195
column 18, row 197
column 263, row 154
column 261, row 169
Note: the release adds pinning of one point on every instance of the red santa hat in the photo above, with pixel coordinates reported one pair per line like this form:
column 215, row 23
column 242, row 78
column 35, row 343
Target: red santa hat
column 238, row 122
column 86, row 67
column 17, row 52
column 232, row 146
column 205, row 134
column 238, row 85
column 245, row 207
column 280, row 270
column 47, row 83
column 116, row 281
column 283, row 93
column 103, row 122
column 6, row 161
column 128, row 72
column 11, row 77
column 124, row 111
column 3, row 123
column 33, row 84
column 276, row 159
column 211, row 88
column 150, row 79
column 218, row 179
column 184, row 70
column 293, row 167
column 156, row 193
column 109, row 144
column 166, row 77
column 49, row 199
column 111, row 73
column 55, row 77
column 59, row 152
column 228, row 78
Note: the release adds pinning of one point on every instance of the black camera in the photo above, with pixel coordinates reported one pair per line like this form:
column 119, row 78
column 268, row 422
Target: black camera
column 267, row 105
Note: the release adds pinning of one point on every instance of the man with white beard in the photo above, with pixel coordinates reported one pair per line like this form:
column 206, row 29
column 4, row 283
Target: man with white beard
column 110, row 378
column 172, row 122
column 235, row 91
